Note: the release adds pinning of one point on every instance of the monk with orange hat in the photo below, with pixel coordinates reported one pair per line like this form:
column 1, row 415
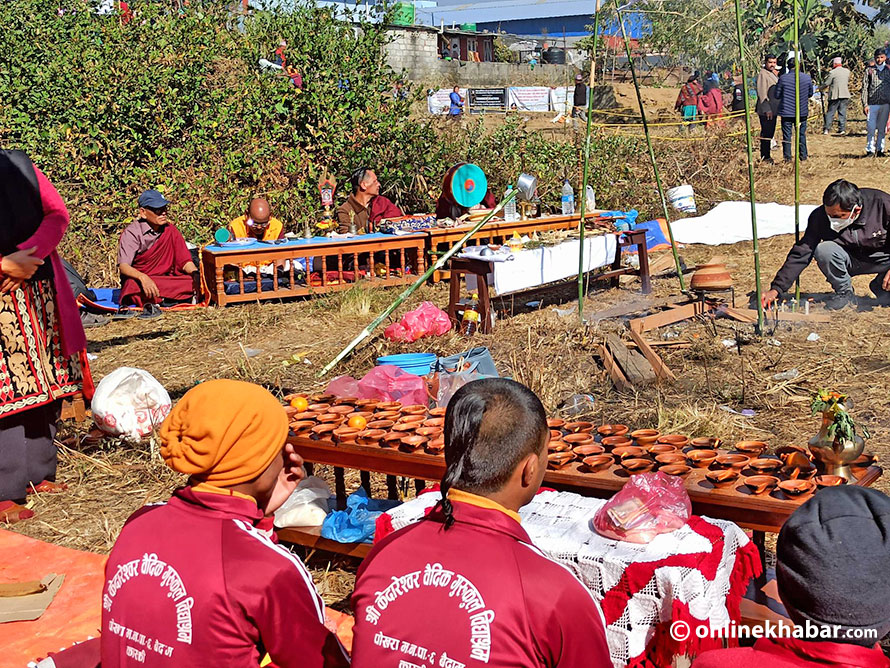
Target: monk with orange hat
column 199, row 580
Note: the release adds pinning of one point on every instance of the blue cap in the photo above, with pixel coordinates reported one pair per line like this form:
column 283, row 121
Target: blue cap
column 152, row 199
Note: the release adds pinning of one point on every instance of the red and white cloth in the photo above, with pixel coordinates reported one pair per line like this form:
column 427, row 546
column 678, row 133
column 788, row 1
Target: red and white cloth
column 697, row 574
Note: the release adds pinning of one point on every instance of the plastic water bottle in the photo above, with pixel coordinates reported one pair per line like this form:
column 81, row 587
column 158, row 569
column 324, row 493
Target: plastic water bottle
column 470, row 320
column 510, row 213
column 591, row 198
column 568, row 199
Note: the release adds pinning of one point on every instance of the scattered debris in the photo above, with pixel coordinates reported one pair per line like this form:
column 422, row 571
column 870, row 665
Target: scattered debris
column 791, row 374
column 813, row 337
column 577, row 404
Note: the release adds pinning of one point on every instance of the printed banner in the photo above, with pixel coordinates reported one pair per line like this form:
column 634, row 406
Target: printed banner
column 561, row 99
column 439, row 102
column 487, row 99
column 532, row 98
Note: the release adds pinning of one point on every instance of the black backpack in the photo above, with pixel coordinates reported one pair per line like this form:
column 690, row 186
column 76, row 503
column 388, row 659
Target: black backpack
column 78, row 285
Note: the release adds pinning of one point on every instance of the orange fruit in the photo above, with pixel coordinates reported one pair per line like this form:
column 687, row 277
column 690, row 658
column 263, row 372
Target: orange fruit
column 357, row 422
column 299, row 403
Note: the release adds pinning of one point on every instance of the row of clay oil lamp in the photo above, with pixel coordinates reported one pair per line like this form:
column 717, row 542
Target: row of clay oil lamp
column 645, row 450
column 386, row 424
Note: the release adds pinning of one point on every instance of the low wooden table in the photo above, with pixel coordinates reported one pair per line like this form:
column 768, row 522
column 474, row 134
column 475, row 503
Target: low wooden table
column 334, row 262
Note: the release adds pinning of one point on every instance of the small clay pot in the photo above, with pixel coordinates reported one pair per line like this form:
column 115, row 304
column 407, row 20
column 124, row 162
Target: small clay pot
column 405, row 426
column 579, row 427
column 413, row 442
column 366, row 404
column 705, row 443
column 290, row 411
column 711, row 277
column 302, row 427
column 389, row 405
column 387, row 415
column 765, row 464
column 701, row 458
column 362, row 414
column 332, row 418
column 439, row 411
column 339, row 401
column 829, row 480
column 797, row 487
column 723, row 478
column 370, row 436
column 671, row 459
column 675, row 469
column 345, row 435
column 661, row 449
column 435, row 446
column 393, row 439
column 555, row 423
column 306, row 415
column 865, row 459
column 625, row 451
column 323, row 431
column 428, row 432
column 414, row 409
column 319, row 408
column 321, row 398
column 645, row 437
column 559, row 460
column 732, row 461
column 558, row 446
column 588, row 450
column 800, row 472
column 754, row 448
column 435, row 422
column 761, row 483
column 341, row 410
column 677, row 440
column 380, row 424
column 784, row 450
column 612, row 430
column 596, row 463
column 634, row 465
column 578, row 439
column 555, row 434
column 290, row 397
column 610, row 442
column 416, row 419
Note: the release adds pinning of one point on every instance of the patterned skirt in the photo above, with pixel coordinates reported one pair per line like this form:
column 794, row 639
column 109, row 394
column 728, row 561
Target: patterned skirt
column 33, row 370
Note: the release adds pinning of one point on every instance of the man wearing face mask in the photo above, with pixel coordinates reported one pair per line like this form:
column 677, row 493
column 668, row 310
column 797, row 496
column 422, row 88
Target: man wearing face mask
column 848, row 237
column 876, row 103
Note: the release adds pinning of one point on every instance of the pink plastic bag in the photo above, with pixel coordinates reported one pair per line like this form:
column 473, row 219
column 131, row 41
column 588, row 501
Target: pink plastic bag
column 426, row 320
column 343, row 386
column 390, row 383
column 649, row 504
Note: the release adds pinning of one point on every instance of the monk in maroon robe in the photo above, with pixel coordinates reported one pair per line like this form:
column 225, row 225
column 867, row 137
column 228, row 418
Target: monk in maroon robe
column 155, row 263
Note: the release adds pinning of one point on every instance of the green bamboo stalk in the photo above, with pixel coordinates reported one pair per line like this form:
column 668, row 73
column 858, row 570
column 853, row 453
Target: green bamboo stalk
column 583, row 209
column 366, row 332
column 796, row 143
column 664, row 209
column 748, row 142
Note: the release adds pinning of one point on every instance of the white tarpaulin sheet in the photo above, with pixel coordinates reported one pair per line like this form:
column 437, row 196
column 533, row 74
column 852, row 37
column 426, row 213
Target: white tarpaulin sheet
column 439, row 102
column 730, row 222
column 531, row 268
column 561, row 99
column 531, row 98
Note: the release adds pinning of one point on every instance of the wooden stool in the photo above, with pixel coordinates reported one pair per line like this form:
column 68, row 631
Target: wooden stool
column 460, row 267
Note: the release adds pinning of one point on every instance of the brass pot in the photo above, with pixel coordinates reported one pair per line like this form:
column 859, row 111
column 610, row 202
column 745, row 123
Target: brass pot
column 833, row 456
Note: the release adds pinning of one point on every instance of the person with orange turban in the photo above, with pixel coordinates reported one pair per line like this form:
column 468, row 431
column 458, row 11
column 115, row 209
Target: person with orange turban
column 199, row 580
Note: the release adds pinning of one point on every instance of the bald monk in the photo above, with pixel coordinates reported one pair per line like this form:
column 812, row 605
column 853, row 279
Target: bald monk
column 200, row 580
column 258, row 223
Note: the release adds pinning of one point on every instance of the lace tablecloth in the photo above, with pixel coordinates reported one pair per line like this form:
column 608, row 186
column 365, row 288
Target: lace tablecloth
column 697, row 574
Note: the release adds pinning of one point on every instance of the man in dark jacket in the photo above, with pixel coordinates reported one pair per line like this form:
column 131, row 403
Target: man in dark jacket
column 785, row 95
column 848, row 237
column 579, row 99
column 876, row 102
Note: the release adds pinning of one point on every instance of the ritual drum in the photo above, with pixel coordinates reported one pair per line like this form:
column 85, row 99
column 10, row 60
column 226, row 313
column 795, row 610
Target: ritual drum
column 465, row 185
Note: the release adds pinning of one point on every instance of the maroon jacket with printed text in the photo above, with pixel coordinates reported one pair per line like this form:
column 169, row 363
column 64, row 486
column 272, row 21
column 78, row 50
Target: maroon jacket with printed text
column 193, row 582
column 794, row 653
column 476, row 594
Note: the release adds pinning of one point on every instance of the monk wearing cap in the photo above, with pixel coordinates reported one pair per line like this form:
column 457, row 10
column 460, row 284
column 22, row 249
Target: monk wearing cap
column 198, row 581
column 258, row 223
column 156, row 265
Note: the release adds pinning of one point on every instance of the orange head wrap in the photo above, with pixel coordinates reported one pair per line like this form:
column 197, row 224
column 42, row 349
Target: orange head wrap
column 224, row 432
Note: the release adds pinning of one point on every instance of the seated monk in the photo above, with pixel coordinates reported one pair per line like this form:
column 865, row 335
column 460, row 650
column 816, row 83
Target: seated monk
column 514, row 607
column 446, row 207
column 210, row 585
column 154, row 261
column 366, row 207
column 258, row 223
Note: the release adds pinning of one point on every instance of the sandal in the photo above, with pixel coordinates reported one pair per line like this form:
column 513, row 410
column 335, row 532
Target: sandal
column 12, row 512
column 49, row 487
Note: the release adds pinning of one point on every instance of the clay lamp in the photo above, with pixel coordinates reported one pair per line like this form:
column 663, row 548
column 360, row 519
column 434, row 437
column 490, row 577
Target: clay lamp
column 415, row 409
column 302, row 427
column 579, row 427
column 800, row 472
column 797, row 487
column 345, row 435
column 754, row 448
column 559, row 460
column 677, row 440
column 671, row 459
column 428, row 432
column 380, row 424
column 628, row 451
column 701, row 458
column 416, row 419
column 411, row 443
column 321, row 398
column 645, row 437
column 595, row 463
column 296, row 395
column 387, row 415
column 366, row 404
column 610, row 442
column 393, row 439
column 405, row 426
column 865, row 459
column 290, row 411
column 438, row 412
column 732, row 461
column 765, row 464
column 319, row 408
column 362, row 414
column 370, row 436
column 759, row 484
column 578, row 439
column 798, row 465
column 587, row 450
column 434, row 422
column 555, row 423
column 676, row 469
column 784, row 450
column 436, row 446
column 635, row 465
column 345, row 400
column 612, row 430
column 829, row 480
column 705, row 443
column 341, row 410
column 330, row 417
column 661, row 449
column 323, row 431
column 306, row 415
column 389, row 406
column 555, row 434
column 722, row 478
column 558, row 446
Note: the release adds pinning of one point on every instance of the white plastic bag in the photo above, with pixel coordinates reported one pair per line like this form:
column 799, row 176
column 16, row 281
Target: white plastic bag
column 131, row 403
column 306, row 507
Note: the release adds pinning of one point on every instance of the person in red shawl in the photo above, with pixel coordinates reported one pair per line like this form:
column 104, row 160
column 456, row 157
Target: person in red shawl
column 365, row 207
column 42, row 342
column 832, row 560
column 156, row 265
column 465, row 586
column 710, row 102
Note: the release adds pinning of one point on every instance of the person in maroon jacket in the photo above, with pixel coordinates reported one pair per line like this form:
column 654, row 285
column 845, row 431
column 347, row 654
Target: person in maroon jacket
column 198, row 581
column 365, row 207
column 465, row 586
column 832, row 560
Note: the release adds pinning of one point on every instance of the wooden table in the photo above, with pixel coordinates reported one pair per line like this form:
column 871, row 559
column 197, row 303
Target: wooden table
column 401, row 256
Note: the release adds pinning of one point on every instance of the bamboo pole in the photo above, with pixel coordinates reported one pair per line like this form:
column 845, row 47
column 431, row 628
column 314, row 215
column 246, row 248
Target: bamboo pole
column 796, row 143
column 664, row 209
column 748, row 142
column 366, row 332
